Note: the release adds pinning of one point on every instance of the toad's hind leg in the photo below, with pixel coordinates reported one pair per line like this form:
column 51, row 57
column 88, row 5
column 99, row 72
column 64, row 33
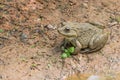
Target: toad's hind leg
column 98, row 41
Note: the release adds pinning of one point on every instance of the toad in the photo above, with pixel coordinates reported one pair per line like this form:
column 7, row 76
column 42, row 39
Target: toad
column 85, row 37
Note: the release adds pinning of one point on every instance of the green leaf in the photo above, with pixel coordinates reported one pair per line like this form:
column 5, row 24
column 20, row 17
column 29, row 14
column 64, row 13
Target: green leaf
column 68, row 54
column 33, row 46
column 64, row 55
column 66, row 51
column 34, row 65
column 1, row 30
column 71, row 49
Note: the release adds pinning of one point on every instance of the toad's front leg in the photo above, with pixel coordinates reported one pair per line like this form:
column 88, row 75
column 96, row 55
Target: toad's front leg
column 65, row 44
column 77, row 45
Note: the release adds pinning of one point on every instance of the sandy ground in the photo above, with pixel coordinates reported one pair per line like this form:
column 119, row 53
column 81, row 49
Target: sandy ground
column 29, row 39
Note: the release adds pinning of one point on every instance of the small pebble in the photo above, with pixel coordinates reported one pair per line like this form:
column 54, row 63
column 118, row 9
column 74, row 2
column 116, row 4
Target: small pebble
column 94, row 77
column 112, row 23
column 85, row 5
column 49, row 26
column 23, row 37
column 0, row 76
column 1, row 45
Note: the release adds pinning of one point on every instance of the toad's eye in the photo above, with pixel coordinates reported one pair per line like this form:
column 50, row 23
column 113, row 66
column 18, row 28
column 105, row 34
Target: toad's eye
column 67, row 29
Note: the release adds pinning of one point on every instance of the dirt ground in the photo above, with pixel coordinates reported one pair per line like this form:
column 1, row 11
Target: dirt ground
column 29, row 39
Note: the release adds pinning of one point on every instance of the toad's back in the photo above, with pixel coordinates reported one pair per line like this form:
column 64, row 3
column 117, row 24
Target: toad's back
column 85, row 32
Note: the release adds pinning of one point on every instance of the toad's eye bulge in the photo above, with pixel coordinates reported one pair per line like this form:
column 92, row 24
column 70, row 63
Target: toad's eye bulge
column 67, row 29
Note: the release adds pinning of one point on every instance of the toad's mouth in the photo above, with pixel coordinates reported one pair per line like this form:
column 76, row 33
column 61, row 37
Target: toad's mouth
column 67, row 34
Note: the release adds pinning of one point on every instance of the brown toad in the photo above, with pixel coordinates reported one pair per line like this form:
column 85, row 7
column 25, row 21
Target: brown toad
column 84, row 37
